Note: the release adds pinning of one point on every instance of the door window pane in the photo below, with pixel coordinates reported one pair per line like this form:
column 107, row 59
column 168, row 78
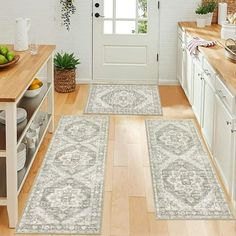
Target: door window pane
column 142, row 8
column 142, row 27
column 108, row 27
column 126, row 9
column 108, row 8
column 125, row 27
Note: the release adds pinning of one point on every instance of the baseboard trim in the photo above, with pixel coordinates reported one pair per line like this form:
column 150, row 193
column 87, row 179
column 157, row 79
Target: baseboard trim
column 160, row 82
column 90, row 81
column 168, row 82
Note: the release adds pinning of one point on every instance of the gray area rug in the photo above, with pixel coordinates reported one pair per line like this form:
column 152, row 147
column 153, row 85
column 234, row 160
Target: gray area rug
column 124, row 100
column 67, row 196
column 184, row 183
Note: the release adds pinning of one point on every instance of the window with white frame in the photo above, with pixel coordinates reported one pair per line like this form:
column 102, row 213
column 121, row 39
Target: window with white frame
column 125, row 17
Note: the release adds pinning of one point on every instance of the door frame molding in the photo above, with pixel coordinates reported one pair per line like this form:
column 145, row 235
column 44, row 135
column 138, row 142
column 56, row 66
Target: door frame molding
column 156, row 82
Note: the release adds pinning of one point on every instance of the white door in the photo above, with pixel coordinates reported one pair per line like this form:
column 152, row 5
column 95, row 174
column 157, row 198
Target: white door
column 125, row 40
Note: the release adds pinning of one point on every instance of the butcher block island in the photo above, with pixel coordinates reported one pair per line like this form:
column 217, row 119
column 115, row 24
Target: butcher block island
column 20, row 139
column 209, row 82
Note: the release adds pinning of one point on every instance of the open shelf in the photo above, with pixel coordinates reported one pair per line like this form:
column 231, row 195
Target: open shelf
column 31, row 105
column 31, row 154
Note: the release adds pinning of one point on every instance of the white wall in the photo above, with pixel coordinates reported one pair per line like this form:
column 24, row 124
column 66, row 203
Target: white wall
column 172, row 11
column 46, row 27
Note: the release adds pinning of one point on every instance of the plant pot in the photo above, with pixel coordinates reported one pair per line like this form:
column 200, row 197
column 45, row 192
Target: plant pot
column 209, row 18
column 64, row 80
column 201, row 21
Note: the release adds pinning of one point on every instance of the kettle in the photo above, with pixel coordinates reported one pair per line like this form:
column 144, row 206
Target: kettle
column 22, row 34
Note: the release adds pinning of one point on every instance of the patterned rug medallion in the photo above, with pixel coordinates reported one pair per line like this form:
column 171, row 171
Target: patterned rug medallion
column 67, row 196
column 184, row 183
column 124, row 100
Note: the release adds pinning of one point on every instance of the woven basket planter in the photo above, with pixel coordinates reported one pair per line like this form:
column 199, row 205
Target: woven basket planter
column 64, row 80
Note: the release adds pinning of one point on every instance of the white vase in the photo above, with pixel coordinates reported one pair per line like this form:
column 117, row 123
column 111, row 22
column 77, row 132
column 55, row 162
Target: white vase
column 209, row 18
column 201, row 20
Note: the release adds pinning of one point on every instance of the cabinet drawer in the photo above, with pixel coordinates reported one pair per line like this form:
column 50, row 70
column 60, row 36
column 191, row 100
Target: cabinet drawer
column 226, row 96
column 181, row 34
column 197, row 56
column 208, row 70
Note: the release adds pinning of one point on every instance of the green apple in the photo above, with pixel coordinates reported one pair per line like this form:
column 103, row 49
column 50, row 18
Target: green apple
column 3, row 60
column 3, row 50
column 10, row 56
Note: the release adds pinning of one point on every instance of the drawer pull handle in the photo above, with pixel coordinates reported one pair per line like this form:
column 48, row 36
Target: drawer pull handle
column 233, row 131
column 221, row 94
column 207, row 72
column 228, row 123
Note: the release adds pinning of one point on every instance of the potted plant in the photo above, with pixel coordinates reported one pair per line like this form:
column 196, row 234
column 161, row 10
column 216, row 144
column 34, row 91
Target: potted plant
column 65, row 72
column 211, row 6
column 201, row 13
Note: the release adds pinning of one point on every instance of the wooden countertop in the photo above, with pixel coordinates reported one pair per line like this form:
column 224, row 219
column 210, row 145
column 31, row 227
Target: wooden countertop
column 15, row 79
column 215, row 55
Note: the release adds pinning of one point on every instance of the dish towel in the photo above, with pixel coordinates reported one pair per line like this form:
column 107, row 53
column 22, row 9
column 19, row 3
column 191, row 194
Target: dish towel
column 196, row 42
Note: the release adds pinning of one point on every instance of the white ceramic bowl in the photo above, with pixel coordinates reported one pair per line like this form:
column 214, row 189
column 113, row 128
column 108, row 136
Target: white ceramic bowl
column 21, row 156
column 33, row 93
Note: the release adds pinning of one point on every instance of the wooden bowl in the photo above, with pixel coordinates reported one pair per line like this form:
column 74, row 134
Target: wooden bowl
column 13, row 62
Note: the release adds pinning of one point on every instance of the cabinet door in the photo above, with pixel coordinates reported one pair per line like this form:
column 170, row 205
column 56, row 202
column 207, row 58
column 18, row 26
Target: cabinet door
column 208, row 112
column 223, row 145
column 180, row 61
column 197, row 92
column 189, row 76
column 184, row 68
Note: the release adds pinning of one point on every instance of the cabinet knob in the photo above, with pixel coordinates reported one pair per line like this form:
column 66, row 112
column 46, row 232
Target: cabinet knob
column 207, row 72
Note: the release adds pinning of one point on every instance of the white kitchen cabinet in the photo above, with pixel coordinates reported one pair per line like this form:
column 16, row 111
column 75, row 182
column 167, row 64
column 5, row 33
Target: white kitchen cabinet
column 208, row 108
column 224, row 143
column 197, row 91
column 180, row 60
column 189, row 77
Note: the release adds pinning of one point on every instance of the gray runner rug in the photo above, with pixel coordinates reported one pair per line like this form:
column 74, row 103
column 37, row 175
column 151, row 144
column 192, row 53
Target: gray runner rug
column 185, row 185
column 124, row 100
column 67, row 197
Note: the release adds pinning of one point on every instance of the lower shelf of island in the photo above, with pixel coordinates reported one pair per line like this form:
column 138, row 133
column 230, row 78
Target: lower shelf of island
column 31, row 154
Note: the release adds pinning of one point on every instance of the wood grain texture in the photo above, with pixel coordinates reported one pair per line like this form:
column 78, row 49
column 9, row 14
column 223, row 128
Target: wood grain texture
column 14, row 80
column 214, row 55
column 125, row 214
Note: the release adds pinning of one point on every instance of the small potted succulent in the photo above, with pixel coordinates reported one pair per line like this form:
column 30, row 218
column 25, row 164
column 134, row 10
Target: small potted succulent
column 201, row 13
column 211, row 6
column 65, row 72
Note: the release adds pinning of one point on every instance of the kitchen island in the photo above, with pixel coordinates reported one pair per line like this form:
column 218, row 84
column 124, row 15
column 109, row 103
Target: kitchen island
column 14, row 81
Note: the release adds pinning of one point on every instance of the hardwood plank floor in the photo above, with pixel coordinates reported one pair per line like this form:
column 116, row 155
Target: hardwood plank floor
column 128, row 199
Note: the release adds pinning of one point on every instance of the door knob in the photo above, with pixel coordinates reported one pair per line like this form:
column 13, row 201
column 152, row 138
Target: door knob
column 97, row 15
column 97, row 4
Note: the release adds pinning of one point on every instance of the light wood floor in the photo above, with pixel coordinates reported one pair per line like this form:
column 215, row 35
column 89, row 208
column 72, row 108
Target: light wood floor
column 128, row 199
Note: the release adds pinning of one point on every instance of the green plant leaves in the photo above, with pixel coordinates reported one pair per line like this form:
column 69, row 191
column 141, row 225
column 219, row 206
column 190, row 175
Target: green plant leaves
column 66, row 61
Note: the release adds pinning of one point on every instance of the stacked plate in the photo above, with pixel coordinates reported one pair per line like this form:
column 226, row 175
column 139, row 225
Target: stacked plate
column 21, row 116
column 21, row 156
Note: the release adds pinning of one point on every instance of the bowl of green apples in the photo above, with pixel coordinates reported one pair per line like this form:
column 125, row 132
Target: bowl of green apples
column 7, row 57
